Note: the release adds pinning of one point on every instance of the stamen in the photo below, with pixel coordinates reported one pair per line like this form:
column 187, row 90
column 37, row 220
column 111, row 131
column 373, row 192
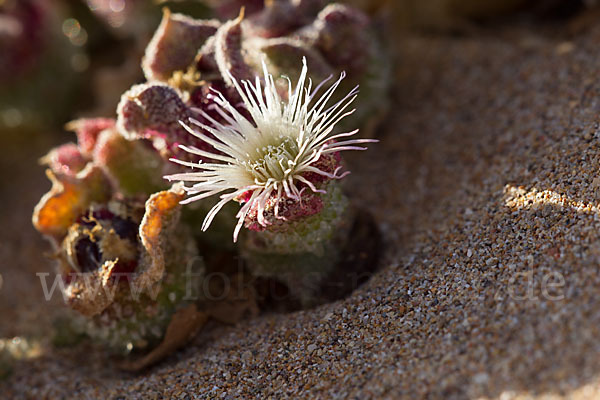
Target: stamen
column 269, row 155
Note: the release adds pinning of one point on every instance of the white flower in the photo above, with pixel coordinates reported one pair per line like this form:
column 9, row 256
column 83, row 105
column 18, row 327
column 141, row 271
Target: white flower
column 269, row 154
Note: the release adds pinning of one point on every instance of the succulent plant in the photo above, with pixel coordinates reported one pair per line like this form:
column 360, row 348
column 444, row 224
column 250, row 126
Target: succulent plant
column 265, row 156
column 123, row 254
column 281, row 163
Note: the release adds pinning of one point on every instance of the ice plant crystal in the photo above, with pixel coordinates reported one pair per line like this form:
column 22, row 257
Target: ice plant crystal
column 273, row 156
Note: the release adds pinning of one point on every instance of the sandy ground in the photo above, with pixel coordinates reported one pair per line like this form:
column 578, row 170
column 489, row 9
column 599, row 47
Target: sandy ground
column 486, row 186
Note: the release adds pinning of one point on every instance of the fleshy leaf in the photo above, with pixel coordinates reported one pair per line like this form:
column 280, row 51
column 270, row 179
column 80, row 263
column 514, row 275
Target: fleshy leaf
column 175, row 44
column 343, row 38
column 228, row 51
column 277, row 19
column 206, row 57
column 135, row 166
column 153, row 111
column 87, row 131
column 285, row 54
column 65, row 159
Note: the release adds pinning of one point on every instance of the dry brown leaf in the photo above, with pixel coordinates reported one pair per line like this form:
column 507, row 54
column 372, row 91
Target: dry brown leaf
column 68, row 198
column 162, row 212
column 184, row 325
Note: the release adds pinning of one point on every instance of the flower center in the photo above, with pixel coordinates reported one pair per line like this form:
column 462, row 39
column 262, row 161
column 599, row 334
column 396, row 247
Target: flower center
column 274, row 162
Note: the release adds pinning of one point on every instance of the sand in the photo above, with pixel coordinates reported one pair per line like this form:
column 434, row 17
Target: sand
column 485, row 184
